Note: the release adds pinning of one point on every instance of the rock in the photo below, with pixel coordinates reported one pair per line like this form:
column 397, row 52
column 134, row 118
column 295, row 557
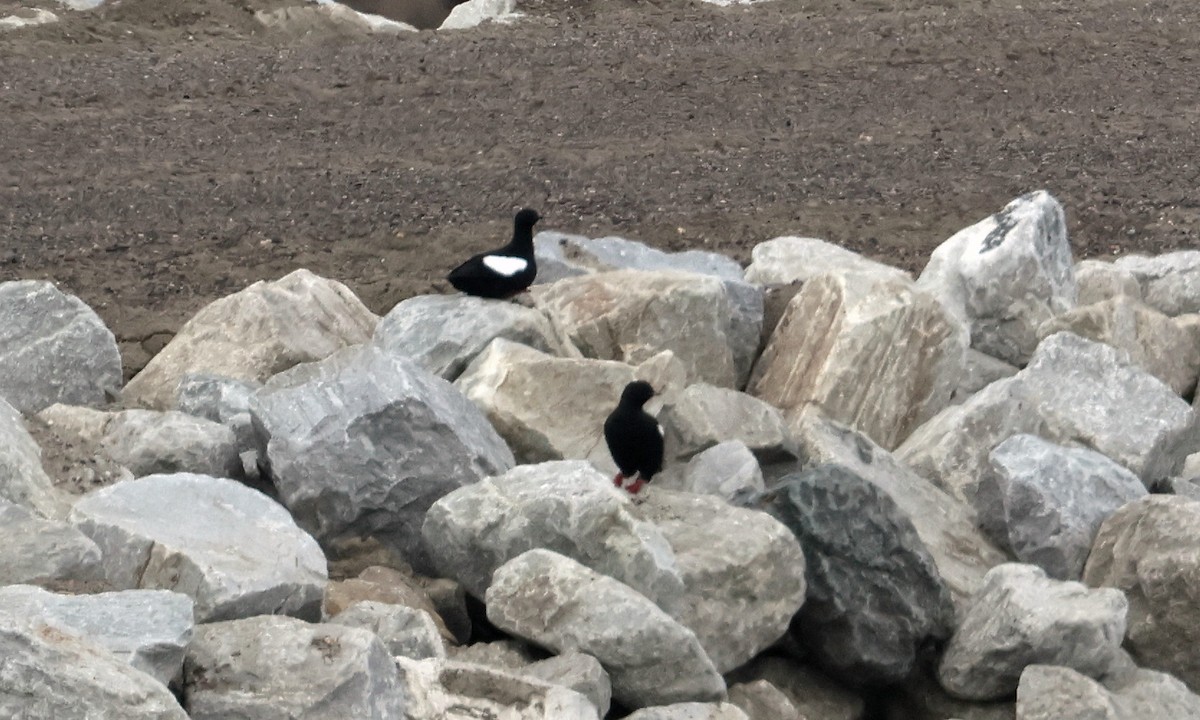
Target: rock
column 383, row 585
column 631, row 315
column 222, row 400
column 1054, row 693
column 443, row 333
column 87, row 423
column 877, row 354
column 690, row 711
column 474, row 12
column 274, row 667
column 561, row 605
column 576, row 671
column 363, row 443
column 874, row 593
column 1019, row 618
column 979, row 371
column 1046, row 501
column 1178, row 486
column 49, row 673
column 760, row 700
column 149, row 442
column 302, row 20
column 1099, row 281
column 36, row 551
column 921, row 698
column 54, row 349
column 1147, row 550
column 440, row 690
column 1074, row 390
column 505, row 654
column 255, row 333
column 149, row 629
column 567, row 507
column 743, row 573
column 1169, row 282
column 1191, row 467
column 701, row 416
column 786, row 260
column 27, row 17
column 944, row 523
column 1154, row 341
column 405, row 631
column 814, row 695
column 73, row 455
column 725, row 470
column 233, row 550
column 22, row 480
column 1006, row 275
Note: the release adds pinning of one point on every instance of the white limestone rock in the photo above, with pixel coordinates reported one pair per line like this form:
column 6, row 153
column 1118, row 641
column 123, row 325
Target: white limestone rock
column 445, row 690
column 405, row 631
column 785, row 260
column 1169, row 282
column 34, row 550
column 149, row 442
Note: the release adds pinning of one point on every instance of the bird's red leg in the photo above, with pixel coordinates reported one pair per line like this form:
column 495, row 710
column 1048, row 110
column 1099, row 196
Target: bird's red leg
column 619, row 480
column 637, row 485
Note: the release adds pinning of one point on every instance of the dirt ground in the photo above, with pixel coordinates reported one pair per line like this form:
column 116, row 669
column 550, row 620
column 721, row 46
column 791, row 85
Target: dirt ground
column 158, row 154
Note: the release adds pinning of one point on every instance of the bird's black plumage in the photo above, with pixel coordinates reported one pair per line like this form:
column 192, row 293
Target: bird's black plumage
column 634, row 438
column 503, row 272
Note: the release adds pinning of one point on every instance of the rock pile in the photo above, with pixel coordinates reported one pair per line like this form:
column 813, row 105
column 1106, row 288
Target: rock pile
column 974, row 494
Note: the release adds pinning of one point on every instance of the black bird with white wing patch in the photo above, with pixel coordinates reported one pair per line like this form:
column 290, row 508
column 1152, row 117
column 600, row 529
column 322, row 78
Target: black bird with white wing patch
column 503, row 272
column 634, row 437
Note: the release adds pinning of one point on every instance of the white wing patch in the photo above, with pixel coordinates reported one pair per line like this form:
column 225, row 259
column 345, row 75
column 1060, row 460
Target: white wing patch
column 505, row 265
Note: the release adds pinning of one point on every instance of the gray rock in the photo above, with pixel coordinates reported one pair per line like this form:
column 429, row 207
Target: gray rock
column 979, row 371
column 255, row 333
column 22, row 480
column 223, row 400
column 760, row 700
column 1191, row 467
column 507, row 654
column 1006, row 275
column 1099, row 280
column 561, row 605
column 814, row 695
column 874, row 593
column 921, row 698
column 726, row 470
column 691, row 711
column 37, row 551
column 944, row 523
column 363, row 443
column 148, row 442
column 585, row 255
column 868, row 349
column 52, row 674
column 1170, row 282
column 1046, row 501
column 786, row 260
column 149, row 629
column 1055, row 693
column 84, row 422
column 580, row 672
column 389, row 586
column 54, row 349
column 407, row 632
column 1147, row 550
column 233, row 550
column 441, row 689
column 280, row 667
column 743, row 573
column 1019, row 618
column 443, row 333
column 565, row 506
column 702, row 415
column 1178, row 486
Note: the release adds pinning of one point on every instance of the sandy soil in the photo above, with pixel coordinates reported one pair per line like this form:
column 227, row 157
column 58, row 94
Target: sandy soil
column 158, row 154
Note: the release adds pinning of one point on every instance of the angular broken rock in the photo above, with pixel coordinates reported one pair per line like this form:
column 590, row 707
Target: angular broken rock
column 726, row 470
column 442, row 689
column 405, row 631
column 1046, row 501
column 814, row 694
column 1099, row 281
column 1019, row 618
column 1057, row 693
column 578, row 671
column 220, row 399
column 630, row 315
column 54, row 349
column 565, row 506
column 1006, row 275
column 274, row 667
column 149, row 629
column 149, row 442
column 559, row 604
column 874, row 593
column 363, row 443
column 691, row 711
column 34, row 550
column 22, row 480
column 702, row 415
column 443, row 333
column 1147, row 549
column 761, row 700
column 1169, row 282
column 785, row 260
column 869, row 349
column 979, row 371
column 235, row 551
column 255, row 333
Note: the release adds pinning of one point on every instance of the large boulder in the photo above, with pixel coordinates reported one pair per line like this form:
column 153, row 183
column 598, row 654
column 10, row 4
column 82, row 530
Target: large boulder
column 785, row 260
column 1050, row 692
column 54, row 349
column 702, row 415
column 944, row 523
column 1019, row 618
column 1046, row 501
column 561, row 605
column 1099, row 280
column 363, row 443
column 867, row 348
column 22, row 479
column 255, row 333
column 38, row 551
column 280, row 667
column 631, row 315
column 149, row 629
column 1169, row 282
column 1006, row 275
column 222, row 400
column 441, row 690
column 149, row 442
column 874, row 593
column 235, row 551
column 1149, row 550
column 443, row 333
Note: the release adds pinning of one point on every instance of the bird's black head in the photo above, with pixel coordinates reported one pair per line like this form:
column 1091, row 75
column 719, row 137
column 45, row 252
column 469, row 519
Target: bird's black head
column 526, row 218
column 637, row 393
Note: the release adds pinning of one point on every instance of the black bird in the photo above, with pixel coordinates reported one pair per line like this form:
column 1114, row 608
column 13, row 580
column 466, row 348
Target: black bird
column 634, row 437
column 504, row 272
